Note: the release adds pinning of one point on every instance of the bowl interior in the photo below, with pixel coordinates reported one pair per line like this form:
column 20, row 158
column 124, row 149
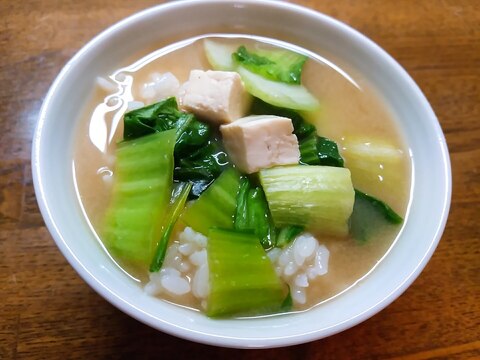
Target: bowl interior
column 54, row 181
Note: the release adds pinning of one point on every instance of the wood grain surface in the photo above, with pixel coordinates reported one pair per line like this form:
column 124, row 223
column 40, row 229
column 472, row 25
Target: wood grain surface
column 47, row 311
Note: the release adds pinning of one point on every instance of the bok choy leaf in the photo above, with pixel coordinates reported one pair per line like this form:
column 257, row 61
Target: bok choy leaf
column 369, row 216
column 199, row 157
column 277, row 65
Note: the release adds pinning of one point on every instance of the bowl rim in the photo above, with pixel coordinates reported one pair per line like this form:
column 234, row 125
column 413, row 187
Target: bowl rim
column 193, row 335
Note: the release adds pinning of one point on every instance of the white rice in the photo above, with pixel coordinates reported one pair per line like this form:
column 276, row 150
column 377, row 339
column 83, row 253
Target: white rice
column 297, row 264
column 185, row 269
column 159, row 87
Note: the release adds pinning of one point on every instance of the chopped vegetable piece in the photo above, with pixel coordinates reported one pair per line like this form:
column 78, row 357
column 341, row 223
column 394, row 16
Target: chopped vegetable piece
column 199, row 157
column 388, row 213
column 179, row 197
column 277, row 65
column 289, row 96
column 162, row 116
column 143, row 177
column 318, row 197
column 202, row 166
column 216, row 206
column 252, row 213
column 370, row 215
column 241, row 212
column 242, row 278
column 286, row 234
column 317, row 150
column 308, row 150
column 259, row 217
column 328, row 152
column 219, row 55
column 191, row 134
column 376, row 165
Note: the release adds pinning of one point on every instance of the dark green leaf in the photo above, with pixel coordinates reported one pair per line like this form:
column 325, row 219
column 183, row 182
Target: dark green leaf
column 177, row 203
column 206, row 163
column 369, row 216
column 162, row 116
column 241, row 213
column 191, row 134
column 286, row 234
column 317, row 150
column 252, row 213
column 259, row 217
column 150, row 119
column 199, row 157
column 308, row 150
column 328, row 152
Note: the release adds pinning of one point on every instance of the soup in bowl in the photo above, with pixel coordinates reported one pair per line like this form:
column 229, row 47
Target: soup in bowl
column 237, row 183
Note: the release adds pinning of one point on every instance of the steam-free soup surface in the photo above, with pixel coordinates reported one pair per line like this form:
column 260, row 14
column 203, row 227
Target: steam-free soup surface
column 350, row 109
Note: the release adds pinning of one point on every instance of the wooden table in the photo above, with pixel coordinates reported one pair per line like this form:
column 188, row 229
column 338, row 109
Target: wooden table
column 47, row 311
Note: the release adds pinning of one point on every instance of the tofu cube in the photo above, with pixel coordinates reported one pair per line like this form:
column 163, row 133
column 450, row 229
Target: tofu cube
column 215, row 96
column 259, row 142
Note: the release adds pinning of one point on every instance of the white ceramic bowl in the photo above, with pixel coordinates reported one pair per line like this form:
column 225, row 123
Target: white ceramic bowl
column 53, row 178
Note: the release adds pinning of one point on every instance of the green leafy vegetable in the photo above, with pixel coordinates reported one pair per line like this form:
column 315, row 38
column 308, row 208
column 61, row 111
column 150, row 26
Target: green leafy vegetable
column 216, row 206
column 277, row 65
column 369, row 216
column 241, row 218
column 242, row 278
column 308, row 150
column 163, row 116
column 206, row 162
column 328, row 153
column 143, row 180
column 199, row 157
column 277, row 83
column 317, row 150
column 286, row 234
column 372, row 158
column 177, row 204
column 252, row 213
column 259, row 217
column 318, row 197
column 289, row 96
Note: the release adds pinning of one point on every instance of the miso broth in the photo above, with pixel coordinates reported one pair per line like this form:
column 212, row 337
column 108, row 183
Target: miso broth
column 350, row 108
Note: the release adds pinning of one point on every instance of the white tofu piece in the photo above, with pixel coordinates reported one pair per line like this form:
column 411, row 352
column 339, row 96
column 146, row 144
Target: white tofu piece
column 259, row 142
column 215, row 96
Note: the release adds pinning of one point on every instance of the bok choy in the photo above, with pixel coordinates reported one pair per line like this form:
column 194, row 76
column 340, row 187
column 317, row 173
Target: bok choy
column 319, row 198
column 271, row 75
column 199, row 157
column 143, row 182
column 242, row 278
